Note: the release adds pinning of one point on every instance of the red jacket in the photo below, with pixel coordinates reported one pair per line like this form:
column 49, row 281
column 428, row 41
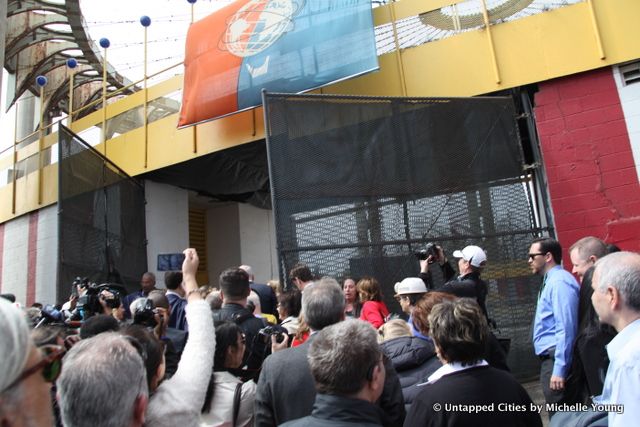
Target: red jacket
column 374, row 312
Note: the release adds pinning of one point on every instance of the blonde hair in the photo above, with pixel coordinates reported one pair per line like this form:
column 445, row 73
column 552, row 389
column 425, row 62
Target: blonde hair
column 395, row 328
column 276, row 286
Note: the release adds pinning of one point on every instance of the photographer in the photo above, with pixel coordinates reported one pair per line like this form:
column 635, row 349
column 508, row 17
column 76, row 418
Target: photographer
column 468, row 284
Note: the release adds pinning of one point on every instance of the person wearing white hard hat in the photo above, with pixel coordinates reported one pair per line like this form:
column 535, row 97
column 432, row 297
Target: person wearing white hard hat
column 408, row 293
column 468, row 284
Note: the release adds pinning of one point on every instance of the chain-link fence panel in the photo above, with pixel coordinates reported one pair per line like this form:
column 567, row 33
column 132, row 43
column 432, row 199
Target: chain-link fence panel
column 101, row 218
column 359, row 184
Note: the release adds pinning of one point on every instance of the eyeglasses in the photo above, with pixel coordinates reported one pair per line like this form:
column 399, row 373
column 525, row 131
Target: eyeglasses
column 51, row 365
column 532, row 256
column 401, row 297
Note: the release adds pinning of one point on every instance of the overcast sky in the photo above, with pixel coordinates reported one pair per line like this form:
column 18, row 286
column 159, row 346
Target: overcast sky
column 119, row 21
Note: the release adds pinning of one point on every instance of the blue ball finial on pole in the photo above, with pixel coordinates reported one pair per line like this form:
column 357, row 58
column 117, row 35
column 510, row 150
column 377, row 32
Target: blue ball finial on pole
column 72, row 63
column 41, row 81
column 104, row 42
column 192, row 1
column 145, row 21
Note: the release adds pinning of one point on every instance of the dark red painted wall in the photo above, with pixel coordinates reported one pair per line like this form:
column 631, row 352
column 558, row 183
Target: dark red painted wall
column 587, row 156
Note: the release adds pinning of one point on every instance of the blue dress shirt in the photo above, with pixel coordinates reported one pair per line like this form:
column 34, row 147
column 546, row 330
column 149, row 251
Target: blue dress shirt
column 556, row 320
column 622, row 383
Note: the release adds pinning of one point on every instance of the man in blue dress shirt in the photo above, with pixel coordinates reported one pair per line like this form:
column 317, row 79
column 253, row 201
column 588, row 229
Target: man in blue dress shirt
column 616, row 299
column 556, row 320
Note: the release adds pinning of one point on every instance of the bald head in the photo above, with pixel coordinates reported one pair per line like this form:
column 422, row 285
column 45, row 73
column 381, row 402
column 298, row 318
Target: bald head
column 584, row 253
column 249, row 271
column 620, row 270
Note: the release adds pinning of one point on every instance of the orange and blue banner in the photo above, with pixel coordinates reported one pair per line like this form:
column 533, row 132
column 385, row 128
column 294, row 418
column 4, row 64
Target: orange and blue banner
column 288, row 46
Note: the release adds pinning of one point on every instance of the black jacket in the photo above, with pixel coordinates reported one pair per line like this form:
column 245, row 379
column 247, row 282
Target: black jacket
column 257, row 347
column 339, row 411
column 286, row 390
column 467, row 286
column 482, row 385
column 414, row 359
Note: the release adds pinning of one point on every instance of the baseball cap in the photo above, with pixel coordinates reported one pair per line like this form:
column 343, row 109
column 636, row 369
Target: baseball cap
column 410, row 285
column 474, row 254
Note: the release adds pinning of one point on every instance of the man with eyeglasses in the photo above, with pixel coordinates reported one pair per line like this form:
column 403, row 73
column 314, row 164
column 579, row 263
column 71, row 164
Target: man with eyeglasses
column 556, row 319
column 26, row 373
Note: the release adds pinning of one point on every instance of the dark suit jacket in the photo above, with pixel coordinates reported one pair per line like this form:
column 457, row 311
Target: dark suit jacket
column 286, row 390
column 178, row 318
column 268, row 300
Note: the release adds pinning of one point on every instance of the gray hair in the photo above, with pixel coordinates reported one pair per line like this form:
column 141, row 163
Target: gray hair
column 15, row 345
column 589, row 246
column 255, row 300
column 342, row 357
column 101, row 379
column 323, row 303
column 622, row 271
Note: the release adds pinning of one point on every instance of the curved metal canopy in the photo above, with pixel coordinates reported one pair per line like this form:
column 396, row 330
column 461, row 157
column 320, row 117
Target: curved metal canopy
column 41, row 36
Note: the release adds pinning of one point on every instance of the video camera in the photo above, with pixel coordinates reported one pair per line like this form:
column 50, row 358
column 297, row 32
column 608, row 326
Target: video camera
column 430, row 250
column 89, row 303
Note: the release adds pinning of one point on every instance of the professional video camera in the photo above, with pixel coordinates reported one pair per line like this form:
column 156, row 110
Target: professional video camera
column 89, row 303
column 431, row 249
column 276, row 330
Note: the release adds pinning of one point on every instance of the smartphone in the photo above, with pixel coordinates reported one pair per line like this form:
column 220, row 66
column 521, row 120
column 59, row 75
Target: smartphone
column 170, row 262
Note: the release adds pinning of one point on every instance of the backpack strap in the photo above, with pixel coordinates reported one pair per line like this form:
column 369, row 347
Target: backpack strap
column 236, row 402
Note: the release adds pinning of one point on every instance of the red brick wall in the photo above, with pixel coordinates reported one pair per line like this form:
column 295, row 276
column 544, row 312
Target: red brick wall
column 587, row 156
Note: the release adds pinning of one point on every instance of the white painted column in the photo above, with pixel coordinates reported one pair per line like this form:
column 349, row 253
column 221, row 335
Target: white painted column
column 167, row 218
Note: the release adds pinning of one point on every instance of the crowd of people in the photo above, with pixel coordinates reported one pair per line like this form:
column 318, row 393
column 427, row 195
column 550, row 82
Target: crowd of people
column 317, row 353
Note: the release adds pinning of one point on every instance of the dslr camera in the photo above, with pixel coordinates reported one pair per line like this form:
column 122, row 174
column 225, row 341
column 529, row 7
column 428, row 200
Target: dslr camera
column 431, row 249
column 276, row 330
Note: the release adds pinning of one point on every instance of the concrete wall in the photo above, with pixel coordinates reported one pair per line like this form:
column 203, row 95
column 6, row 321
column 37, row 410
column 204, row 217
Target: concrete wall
column 630, row 101
column 587, row 155
column 236, row 234
column 167, row 218
column 223, row 239
column 241, row 234
column 28, row 256
column 258, row 242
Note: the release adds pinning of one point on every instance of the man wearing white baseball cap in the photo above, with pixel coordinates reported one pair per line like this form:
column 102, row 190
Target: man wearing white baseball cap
column 408, row 293
column 468, row 284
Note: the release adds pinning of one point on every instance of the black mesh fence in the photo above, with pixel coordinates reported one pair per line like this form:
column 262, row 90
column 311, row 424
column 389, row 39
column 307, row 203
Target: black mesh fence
column 359, row 184
column 101, row 218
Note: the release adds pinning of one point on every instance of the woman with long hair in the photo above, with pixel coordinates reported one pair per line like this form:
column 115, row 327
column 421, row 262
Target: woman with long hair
column 229, row 401
column 374, row 310
column 351, row 303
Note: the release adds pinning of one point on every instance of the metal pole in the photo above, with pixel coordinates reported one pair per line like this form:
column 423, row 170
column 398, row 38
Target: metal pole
column 15, row 158
column 104, row 43
column 485, row 16
column 40, row 144
column 146, row 100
